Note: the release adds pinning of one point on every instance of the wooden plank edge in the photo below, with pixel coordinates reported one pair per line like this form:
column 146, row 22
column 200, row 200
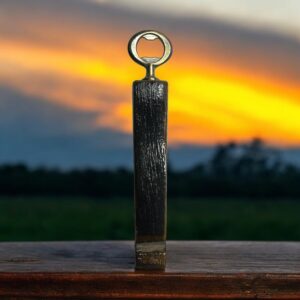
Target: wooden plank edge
column 151, row 285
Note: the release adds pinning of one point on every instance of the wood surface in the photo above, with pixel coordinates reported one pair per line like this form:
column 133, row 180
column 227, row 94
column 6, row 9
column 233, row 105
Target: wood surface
column 105, row 270
column 150, row 171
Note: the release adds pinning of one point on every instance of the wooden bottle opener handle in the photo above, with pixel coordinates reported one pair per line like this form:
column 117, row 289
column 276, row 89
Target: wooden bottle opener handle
column 150, row 106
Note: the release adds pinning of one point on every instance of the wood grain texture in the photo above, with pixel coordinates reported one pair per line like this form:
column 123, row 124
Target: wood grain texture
column 150, row 171
column 105, row 270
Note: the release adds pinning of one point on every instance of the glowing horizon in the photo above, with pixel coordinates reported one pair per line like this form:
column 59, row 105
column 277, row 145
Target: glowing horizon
column 214, row 95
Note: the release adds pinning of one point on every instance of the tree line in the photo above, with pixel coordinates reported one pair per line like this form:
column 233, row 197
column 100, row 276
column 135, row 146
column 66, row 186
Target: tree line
column 234, row 170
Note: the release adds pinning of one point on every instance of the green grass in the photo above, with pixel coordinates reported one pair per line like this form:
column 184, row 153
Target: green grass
column 89, row 219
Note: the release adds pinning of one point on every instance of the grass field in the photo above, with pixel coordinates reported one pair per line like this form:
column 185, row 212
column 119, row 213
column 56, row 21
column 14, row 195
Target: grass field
column 90, row 219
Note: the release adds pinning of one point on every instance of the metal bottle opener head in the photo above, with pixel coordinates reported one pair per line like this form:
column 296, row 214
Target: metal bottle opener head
column 150, row 63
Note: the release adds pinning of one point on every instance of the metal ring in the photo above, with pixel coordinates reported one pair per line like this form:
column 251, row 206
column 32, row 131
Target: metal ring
column 149, row 62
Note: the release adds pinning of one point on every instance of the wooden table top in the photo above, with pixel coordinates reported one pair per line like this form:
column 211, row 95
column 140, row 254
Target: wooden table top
column 105, row 269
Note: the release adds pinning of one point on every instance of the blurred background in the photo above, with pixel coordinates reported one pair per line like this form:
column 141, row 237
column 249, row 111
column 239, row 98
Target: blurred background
column 66, row 117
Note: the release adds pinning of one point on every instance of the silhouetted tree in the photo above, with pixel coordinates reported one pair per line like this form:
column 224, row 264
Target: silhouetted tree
column 244, row 170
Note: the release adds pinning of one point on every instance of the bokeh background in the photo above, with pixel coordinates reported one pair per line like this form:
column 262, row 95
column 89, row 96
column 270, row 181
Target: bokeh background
column 66, row 117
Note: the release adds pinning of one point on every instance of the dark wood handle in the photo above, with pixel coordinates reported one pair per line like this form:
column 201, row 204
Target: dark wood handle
column 150, row 166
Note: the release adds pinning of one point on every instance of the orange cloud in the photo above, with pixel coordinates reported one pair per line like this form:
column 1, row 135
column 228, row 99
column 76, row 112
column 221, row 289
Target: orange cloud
column 215, row 95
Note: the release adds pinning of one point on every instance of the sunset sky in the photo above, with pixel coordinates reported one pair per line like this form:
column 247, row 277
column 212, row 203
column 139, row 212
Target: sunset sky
column 65, row 76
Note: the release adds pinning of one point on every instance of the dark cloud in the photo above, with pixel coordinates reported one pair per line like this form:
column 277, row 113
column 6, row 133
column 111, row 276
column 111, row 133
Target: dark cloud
column 35, row 117
column 42, row 133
